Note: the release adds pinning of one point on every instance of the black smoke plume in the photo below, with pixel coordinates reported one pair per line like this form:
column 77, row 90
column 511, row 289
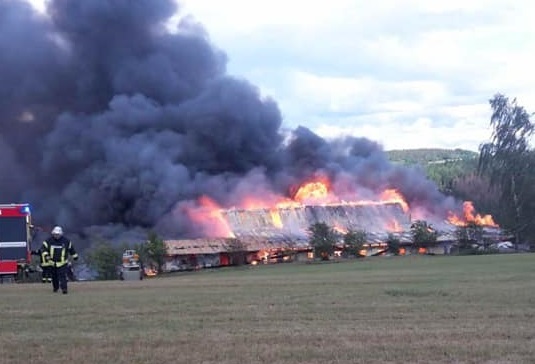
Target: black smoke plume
column 109, row 121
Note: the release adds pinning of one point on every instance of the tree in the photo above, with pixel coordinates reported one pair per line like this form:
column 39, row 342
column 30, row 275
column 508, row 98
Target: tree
column 467, row 236
column 142, row 250
column 393, row 244
column 104, row 259
column 445, row 174
column 353, row 242
column 156, row 250
column 477, row 188
column 322, row 239
column 509, row 163
column 423, row 234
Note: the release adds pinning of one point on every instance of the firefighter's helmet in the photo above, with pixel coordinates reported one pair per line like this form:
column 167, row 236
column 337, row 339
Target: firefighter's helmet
column 57, row 230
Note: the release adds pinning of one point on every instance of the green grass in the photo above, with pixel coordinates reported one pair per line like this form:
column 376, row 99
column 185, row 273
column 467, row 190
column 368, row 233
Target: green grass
column 413, row 309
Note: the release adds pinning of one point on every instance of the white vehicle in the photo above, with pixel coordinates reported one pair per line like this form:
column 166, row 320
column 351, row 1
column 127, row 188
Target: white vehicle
column 131, row 268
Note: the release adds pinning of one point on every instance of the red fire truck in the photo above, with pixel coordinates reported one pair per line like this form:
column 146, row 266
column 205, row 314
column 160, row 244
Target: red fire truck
column 15, row 239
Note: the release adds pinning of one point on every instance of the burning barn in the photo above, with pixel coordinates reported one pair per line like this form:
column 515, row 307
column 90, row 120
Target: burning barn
column 281, row 230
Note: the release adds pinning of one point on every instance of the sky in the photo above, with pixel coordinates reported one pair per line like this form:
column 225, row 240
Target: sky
column 406, row 73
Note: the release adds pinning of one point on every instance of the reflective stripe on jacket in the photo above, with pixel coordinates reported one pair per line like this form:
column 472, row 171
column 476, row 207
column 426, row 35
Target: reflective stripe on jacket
column 57, row 250
column 43, row 261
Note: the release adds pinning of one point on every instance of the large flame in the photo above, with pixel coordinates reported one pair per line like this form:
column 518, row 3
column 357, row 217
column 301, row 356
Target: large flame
column 394, row 196
column 276, row 218
column 209, row 215
column 316, row 191
column 470, row 216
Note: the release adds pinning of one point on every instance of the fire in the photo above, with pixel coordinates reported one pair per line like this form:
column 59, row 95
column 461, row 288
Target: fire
column 319, row 192
column 340, row 229
column 149, row 272
column 267, row 202
column 316, row 191
column 276, row 218
column 286, row 203
column 470, row 216
column 263, row 255
column 211, row 217
column 393, row 196
column 252, row 203
column 208, row 214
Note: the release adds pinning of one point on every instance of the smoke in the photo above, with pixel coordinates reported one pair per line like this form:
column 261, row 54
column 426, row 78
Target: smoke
column 111, row 124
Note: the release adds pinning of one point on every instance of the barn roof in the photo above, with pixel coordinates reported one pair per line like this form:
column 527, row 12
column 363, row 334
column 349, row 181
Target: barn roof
column 282, row 228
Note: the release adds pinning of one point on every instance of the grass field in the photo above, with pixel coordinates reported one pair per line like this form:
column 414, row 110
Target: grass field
column 413, row 309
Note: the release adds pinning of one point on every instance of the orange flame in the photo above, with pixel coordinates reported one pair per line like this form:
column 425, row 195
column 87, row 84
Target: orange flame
column 340, row 229
column 269, row 202
column 262, row 255
column 316, row 191
column 469, row 216
column 276, row 218
column 394, row 196
column 252, row 203
column 208, row 215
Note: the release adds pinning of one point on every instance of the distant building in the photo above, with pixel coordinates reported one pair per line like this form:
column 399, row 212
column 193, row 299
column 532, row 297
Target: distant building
column 278, row 235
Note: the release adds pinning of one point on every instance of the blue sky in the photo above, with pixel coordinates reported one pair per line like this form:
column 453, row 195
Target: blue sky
column 406, row 73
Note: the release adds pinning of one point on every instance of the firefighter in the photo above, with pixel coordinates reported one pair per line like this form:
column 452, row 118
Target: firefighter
column 56, row 250
column 46, row 266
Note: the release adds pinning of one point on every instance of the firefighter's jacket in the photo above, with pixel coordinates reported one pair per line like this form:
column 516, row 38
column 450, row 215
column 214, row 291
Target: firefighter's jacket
column 56, row 251
column 43, row 262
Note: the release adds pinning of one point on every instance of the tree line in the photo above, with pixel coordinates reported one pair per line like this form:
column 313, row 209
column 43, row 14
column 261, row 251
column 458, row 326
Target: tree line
column 324, row 240
column 429, row 156
column 500, row 178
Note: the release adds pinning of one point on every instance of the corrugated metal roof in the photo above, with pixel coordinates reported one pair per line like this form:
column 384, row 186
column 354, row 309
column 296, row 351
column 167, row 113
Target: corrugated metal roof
column 295, row 221
column 267, row 229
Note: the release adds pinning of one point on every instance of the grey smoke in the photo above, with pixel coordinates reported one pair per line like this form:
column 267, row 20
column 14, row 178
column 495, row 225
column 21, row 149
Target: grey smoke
column 111, row 124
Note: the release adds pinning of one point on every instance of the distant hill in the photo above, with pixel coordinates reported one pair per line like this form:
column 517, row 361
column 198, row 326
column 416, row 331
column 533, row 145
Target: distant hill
column 427, row 156
column 446, row 167
column 455, row 173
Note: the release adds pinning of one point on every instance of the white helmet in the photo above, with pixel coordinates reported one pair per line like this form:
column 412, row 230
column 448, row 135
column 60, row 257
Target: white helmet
column 57, row 230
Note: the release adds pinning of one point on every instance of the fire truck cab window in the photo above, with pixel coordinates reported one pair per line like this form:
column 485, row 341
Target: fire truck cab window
column 13, row 229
